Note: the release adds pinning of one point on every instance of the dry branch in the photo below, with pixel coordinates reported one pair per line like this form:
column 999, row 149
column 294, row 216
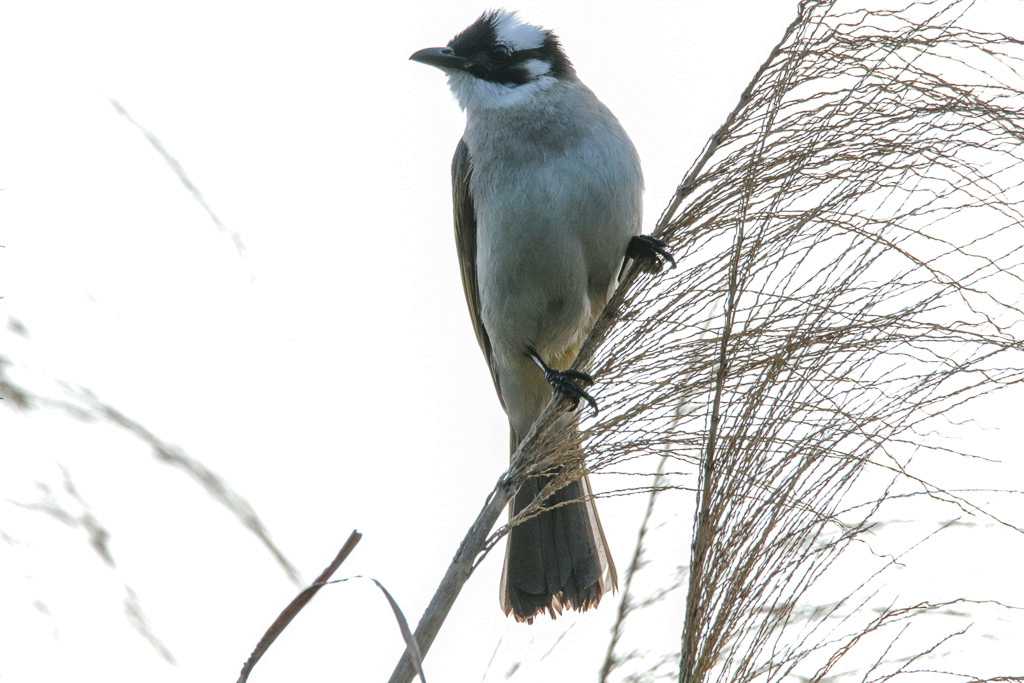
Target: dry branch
column 289, row 613
column 295, row 606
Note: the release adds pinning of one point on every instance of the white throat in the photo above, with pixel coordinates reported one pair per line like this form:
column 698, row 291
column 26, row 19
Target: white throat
column 475, row 93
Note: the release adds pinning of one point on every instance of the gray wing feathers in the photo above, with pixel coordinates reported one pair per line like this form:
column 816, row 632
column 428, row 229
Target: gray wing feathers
column 465, row 242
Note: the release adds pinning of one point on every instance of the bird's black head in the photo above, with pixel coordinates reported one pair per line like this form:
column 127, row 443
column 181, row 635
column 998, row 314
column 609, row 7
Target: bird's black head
column 502, row 49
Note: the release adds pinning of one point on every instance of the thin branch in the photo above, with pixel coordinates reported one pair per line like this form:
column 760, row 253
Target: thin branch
column 182, row 176
column 295, row 606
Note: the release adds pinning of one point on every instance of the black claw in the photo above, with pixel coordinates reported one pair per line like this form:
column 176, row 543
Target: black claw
column 581, row 377
column 648, row 252
column 566, row 383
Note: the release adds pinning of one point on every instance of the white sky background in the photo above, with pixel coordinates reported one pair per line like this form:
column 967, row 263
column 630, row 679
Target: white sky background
column 330, row 374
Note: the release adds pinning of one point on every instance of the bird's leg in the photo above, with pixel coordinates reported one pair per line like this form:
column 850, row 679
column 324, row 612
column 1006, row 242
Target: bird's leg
column 649, row 252
column 567, row 384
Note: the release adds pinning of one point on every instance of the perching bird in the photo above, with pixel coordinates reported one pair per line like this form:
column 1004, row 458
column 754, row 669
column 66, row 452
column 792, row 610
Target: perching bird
column 547, row 191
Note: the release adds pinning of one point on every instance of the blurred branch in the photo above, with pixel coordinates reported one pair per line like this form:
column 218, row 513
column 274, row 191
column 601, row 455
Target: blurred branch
column 214, row 484
column 75, row 513
column 182, row 176
column 89, row 408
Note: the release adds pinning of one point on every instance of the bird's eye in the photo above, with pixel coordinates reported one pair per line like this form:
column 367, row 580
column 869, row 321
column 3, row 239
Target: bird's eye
column 500, row 52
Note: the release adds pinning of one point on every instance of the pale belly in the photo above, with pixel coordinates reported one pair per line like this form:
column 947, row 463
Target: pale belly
column 539, row 289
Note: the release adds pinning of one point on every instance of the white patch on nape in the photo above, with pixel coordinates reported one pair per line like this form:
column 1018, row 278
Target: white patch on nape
column 512, row 31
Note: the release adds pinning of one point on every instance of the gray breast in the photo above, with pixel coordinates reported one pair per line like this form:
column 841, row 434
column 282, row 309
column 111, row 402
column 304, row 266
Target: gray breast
column 557, row 190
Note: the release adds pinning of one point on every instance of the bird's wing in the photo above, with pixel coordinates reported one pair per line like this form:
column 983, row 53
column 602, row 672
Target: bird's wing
column 465, row 242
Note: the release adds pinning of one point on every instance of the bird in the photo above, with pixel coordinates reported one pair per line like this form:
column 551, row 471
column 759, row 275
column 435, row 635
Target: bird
column 547, row 192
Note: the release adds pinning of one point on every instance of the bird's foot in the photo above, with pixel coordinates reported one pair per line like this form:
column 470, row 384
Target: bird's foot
column 567, row 384
column 650, row 253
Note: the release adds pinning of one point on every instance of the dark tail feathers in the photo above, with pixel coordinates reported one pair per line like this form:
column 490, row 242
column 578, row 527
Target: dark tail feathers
column 559, row 558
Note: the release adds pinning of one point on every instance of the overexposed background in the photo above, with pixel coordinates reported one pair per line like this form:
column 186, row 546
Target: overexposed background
column 327, row 370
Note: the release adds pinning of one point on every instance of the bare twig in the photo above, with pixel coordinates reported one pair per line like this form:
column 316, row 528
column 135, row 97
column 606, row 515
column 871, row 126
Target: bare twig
column 296, row 605
column 459, row 571
column 611, row 660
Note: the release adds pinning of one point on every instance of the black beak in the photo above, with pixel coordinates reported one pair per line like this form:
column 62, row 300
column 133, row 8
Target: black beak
column 441, row 57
